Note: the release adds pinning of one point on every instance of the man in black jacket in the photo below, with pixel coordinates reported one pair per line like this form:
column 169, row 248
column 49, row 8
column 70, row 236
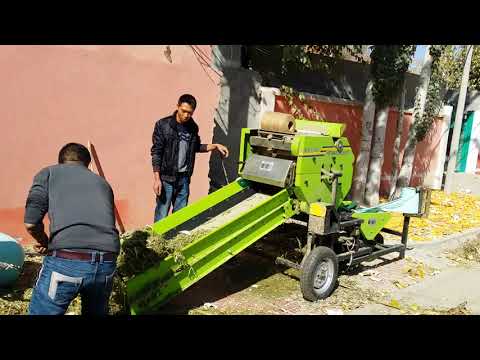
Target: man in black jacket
column 175, row 142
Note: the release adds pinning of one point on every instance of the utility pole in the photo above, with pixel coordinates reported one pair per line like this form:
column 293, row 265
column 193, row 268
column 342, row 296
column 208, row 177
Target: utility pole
column 452, row 160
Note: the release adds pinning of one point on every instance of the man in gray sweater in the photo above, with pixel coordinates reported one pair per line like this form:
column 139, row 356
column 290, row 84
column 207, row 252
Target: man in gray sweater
column 83, row 245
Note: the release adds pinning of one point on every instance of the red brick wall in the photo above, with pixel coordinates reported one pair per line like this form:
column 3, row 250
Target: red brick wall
column 426, row 155
column 110, row 95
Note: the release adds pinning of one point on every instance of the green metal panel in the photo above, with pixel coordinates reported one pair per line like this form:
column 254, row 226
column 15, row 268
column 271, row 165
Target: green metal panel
column 464, row 143
column 373, row 222
column 309, row 185
column 330, row 129
column 304, row 145
column 407, row 203
column 245, row 149
column 157, row 285
column 190, row 211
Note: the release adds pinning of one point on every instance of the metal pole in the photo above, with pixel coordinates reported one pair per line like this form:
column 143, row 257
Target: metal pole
column 224, row 170
column 406, row 223
column 452, row 160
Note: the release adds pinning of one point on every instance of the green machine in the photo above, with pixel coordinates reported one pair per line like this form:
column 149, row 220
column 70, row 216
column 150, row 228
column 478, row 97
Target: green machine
column 304, row 173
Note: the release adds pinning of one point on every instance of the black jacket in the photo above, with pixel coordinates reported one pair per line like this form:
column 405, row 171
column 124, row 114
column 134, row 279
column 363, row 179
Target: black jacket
column 164, row 150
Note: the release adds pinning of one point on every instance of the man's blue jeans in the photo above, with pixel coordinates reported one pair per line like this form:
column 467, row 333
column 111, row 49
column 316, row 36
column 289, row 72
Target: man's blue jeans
column 61, row 280
column 176, row 192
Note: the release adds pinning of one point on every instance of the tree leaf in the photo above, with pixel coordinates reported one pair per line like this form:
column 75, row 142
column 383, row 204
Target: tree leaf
column 394, row 303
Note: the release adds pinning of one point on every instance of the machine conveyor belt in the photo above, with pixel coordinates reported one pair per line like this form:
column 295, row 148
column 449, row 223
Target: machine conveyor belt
column 231, row 219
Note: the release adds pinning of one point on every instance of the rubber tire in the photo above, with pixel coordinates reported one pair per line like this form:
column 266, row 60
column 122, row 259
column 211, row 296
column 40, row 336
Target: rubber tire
column 309, row 268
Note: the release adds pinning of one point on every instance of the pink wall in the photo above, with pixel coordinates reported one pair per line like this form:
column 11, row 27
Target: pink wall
column 110, row 95
column 426, row 157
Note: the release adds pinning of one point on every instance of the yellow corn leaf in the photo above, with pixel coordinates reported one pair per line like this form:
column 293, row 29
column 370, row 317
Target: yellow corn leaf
column 450, row 214
column 420, row 271
column 394, row 303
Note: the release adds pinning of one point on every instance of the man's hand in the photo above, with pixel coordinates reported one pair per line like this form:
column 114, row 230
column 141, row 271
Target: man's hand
column 40, row 249
column 38, row 233
column 222, row 149
column 157, row 186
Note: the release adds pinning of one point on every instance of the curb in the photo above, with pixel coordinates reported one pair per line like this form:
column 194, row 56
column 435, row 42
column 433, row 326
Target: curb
column 459, row 237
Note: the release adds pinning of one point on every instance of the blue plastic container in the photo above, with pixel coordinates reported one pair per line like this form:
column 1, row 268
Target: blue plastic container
column 12, row 258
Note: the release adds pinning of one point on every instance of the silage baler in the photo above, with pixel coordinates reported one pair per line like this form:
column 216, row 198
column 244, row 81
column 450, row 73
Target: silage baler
column 303, row 171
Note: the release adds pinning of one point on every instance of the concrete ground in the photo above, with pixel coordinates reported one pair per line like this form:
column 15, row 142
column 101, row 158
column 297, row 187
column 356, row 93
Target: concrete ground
column 466, row 182
column 426, row 279
column 453, row 284
column 446, row 290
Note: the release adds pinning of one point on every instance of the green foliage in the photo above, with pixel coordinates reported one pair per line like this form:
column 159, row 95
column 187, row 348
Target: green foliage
column 290, row 94
column 312, row 57
column 317, row 57
column 435, row 92
column 389, row 65
column 272, row 61
column 276, row 61
column 451, row 63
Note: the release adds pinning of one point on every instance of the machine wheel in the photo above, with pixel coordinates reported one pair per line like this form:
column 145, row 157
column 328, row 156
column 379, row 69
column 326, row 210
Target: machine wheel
column 319, row 273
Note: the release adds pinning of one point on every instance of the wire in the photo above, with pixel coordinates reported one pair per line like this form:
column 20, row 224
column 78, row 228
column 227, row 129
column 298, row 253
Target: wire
column 199, row 55
column 202, row 65
column 205, row 61
column 199, row 58
column 218, row 58
column 200, row 51
column 205, row 56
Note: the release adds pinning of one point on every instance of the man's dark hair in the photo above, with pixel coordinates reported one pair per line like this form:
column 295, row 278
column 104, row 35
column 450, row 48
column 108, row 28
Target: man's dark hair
column 74, row 152
column 189, row 99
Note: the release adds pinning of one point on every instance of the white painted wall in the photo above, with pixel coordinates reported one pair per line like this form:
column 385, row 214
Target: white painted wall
column 474, row 144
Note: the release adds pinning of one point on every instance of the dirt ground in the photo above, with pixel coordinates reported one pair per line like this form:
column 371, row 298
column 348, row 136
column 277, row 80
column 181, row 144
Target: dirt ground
column 251, row 284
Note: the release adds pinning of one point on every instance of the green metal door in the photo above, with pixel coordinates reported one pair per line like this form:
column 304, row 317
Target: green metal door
column 464, row 143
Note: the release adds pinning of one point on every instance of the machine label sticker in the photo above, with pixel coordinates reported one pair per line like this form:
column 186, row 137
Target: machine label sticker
column 266, row 165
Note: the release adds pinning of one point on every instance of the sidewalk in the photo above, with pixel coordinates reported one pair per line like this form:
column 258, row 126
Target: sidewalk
column 446, row 290
column 452, row 286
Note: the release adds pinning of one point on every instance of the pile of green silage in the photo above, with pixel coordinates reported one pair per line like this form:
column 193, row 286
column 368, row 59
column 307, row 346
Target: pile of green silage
column 140, row 250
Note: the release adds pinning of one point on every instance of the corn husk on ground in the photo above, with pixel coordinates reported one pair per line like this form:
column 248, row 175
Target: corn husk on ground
column 467, row 254
column 414, row 309
column 140, row 250
column 449, row 214
column 15, row 301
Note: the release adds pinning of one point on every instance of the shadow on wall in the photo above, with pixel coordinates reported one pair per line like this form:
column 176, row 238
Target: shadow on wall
column 427, row 149
column 472, row 101
column 348, row 80
column 238, row 107
column 351, row 115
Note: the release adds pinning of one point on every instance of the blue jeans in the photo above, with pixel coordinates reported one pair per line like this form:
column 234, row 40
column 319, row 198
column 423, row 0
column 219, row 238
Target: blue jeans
column 176, row 192
column 61, row 280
